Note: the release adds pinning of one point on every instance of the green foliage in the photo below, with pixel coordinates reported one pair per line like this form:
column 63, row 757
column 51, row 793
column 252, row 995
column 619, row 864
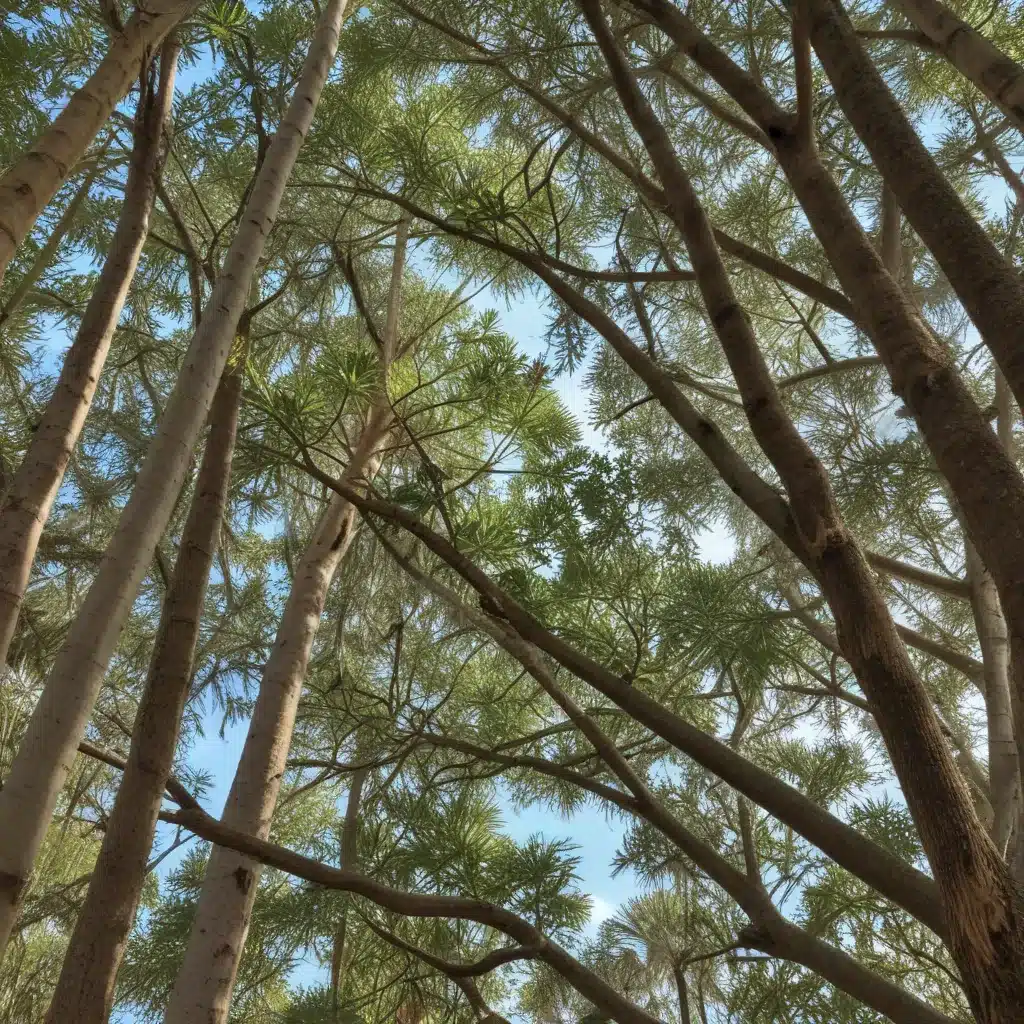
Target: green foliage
column 522, row 437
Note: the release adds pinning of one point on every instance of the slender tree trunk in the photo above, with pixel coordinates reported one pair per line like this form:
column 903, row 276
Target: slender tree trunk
column 1003, row 764
column 85, row 990
column 349, row 859
column 988, row 285
column 203, row 989
column 985, row 481
column 51, row 245
column 890, row 230
column 60, row 718
column 995, row 797
column 27, row 503
column 976, row 57
column 984, row 907
column 682, row 992
column 34, row 180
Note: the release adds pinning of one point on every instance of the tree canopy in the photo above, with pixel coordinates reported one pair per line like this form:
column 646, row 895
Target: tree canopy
column 531, row 409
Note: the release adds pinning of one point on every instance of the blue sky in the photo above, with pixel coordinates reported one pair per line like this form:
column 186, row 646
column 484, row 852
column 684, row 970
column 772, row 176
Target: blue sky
column 596, row 834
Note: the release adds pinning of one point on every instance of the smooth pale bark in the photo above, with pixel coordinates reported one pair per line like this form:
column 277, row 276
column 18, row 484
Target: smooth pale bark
column 49, row 249
column 349, row 859
column 205, row 983
column 410, row 904
column 27, row 503
column 984, row 907
column 85, row 989
column 986, row 282
column 33, row 181
column 975, row 56
column 60, row 718
column 1003, row 767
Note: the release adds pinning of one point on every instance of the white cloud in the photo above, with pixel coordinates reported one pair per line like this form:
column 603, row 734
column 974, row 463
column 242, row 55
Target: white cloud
column 600, row 910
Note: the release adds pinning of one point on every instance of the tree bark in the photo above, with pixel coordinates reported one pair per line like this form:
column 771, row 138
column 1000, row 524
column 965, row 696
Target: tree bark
column 51, row 245
column 682, row 992
column 349, row 859
column 988, row 285
column 85, row 989
column 203, row 989
column 984, row 906
column 1003, row 763
column 410, row 904
column 60, row 718
column 27, row 503
column 34, row 180
column 977, row 58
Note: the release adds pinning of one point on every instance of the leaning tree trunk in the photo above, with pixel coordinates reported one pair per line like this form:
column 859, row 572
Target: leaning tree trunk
column 60, row 718
column 85, row 990
column 984, row 906
column 205, row 983
column 985, row 482
column 27, row 503
column 986, row 282
column 49, row 248
column 976, row 57
column 34, row 180
column 1003, row 763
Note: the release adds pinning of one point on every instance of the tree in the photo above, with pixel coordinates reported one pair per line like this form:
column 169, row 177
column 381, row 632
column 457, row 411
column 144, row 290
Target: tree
column 756, row 610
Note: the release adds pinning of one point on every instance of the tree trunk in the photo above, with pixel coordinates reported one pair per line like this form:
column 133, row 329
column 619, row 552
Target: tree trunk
column 984, row 908
column 60, row 718
column 349, row 859
column 52, row 243
column 985, row 482
column 85, row 990
column 203, row 989
column 34, row 180
column 27, row 503
column 977, row 58
column 682, row 993
column 1003, row 764
column 987, row 283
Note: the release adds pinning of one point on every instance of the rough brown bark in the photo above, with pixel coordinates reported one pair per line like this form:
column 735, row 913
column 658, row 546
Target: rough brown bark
column 85, row 989
column 988, row 285
column 985, row 482
column 28, row 500
column 977, row 58
column 984, row 906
